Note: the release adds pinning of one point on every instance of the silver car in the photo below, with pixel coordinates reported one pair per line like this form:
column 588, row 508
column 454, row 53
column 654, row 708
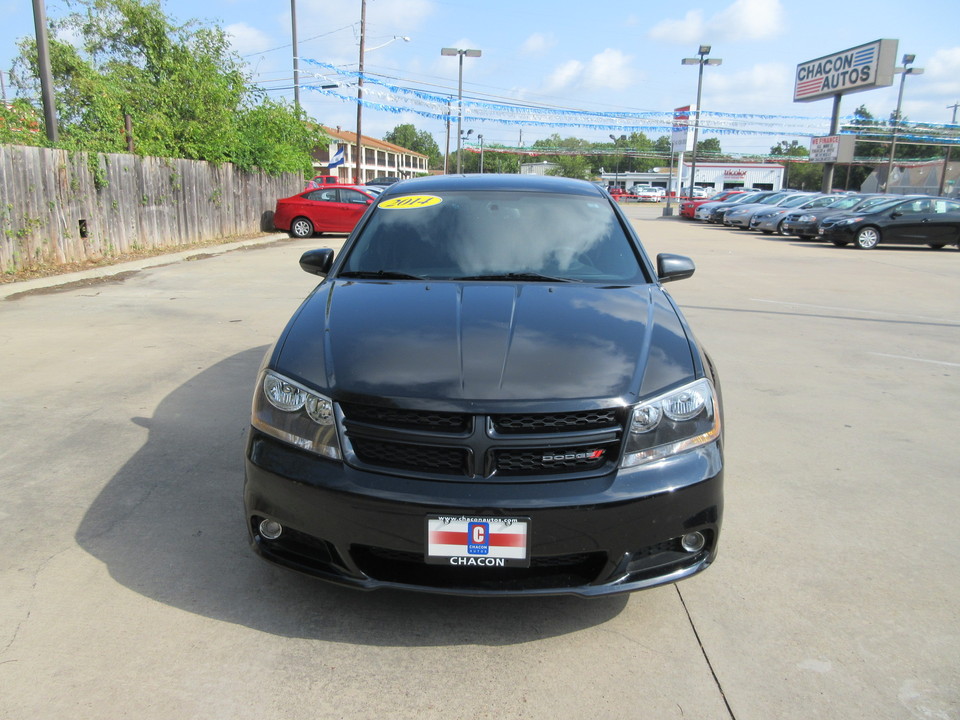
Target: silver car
column 770, row 220
column 739, row 216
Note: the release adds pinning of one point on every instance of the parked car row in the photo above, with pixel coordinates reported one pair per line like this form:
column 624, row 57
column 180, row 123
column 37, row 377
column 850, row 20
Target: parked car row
column 863, row 220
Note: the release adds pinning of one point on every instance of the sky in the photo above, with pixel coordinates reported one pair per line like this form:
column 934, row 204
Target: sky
column 559, row 55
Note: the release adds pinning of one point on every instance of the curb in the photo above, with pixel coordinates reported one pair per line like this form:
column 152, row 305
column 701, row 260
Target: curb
column 13, row 290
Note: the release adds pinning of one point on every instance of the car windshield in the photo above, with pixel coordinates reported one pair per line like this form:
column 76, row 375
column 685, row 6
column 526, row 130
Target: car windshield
column 845, row 203
column 772, row 199
column 493, row 235
column 794, row 201
column 748, row 197
column 871, row 203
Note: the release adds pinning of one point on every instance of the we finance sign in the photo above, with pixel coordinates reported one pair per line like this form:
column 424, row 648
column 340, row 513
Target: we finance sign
column 861, row 68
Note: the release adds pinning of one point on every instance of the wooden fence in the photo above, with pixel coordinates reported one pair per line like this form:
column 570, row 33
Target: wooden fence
column 61, row 207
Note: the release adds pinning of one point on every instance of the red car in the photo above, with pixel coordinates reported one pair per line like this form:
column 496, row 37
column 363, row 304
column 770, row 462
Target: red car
column 688, row 206
column 332, row 208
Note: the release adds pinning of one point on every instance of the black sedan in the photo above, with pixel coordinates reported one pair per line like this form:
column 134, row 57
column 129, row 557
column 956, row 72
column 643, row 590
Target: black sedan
column 805, row 223
column 488, row 393
column 932, row 221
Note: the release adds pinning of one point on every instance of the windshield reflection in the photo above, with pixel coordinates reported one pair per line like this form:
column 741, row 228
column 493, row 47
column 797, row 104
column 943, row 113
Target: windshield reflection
column 493, row 233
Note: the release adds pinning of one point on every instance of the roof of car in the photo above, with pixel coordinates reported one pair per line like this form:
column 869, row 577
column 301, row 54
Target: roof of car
column 481, row 182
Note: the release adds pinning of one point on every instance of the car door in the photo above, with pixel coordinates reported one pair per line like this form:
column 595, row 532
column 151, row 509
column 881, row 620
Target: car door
column 320, row 206
column 941, row 226
column 903, row 223
column 352, row 204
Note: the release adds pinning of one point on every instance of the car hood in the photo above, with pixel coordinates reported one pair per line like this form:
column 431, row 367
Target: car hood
column 452, row 344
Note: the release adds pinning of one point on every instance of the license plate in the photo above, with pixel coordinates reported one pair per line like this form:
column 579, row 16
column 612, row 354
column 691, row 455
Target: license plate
column 467, row 541
column 819, row 231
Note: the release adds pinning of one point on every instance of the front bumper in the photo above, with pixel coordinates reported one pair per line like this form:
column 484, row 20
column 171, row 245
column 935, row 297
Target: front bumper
column 613, row 533
column 800, row 229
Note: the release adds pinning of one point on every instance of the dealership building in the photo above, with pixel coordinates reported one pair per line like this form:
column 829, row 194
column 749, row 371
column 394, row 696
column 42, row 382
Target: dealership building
column 710, row 175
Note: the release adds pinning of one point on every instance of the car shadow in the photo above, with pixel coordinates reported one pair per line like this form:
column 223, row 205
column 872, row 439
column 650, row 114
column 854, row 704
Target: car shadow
column 170, row 526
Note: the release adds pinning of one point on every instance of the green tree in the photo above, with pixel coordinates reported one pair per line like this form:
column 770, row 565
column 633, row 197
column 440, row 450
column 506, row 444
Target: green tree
column 709, row 148
column 20, row 124
column 277, row 138
column 801, row 175
column 421, row 141
column 182, row 85
column 571, row 166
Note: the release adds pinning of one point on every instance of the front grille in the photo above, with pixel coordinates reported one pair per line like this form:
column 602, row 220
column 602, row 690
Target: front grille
column 408, row 419
column 552, row 460
column 556, row 422
column 471, row 447
column 424, row 458
column 545, row 572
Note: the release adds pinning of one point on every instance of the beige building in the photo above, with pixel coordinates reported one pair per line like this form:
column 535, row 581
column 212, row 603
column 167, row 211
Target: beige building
column 380, row 158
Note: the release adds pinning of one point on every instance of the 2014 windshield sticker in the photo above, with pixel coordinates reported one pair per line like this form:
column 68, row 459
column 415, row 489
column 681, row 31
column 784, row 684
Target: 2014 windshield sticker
column 410, row 202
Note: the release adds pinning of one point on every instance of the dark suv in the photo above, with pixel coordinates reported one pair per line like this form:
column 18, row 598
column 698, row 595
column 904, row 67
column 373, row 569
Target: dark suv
column 489, row 392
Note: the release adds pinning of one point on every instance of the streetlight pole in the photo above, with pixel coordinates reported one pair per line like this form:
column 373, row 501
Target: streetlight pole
column 701, row 61
column 904, row 71
column 946, row 160
column 480, row 138
column 461, row 53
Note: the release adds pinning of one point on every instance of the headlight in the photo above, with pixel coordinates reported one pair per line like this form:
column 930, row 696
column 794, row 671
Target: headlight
column 848, row 221
column 673, row 423
column 290, row 412
column 807, row 218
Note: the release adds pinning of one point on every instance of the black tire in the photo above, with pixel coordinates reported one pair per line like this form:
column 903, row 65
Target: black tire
column 867, row 238
column 937, row 246
column 805, row 237
column 767, row 232
column 840, row 243
column 780, row 230
column 301, row 228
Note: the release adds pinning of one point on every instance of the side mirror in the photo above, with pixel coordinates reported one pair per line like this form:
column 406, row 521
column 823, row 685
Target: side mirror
column 895, row 215
column 317, row 262
column 674, row 267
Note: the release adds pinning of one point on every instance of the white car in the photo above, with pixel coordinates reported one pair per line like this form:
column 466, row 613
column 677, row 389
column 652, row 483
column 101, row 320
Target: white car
column 648, row 193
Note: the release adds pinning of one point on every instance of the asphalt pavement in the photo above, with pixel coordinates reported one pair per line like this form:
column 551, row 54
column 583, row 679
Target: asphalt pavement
column 128, row 588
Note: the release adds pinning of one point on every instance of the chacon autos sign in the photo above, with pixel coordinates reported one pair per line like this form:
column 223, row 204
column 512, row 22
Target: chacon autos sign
column 861, row 68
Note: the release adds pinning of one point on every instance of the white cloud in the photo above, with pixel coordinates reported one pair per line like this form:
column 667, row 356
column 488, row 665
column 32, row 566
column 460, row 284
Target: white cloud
column 608, row 70
column 537, row 44
column 687, row 30
column 565, row 76
column 749, row 20
column 247, row 40
column 748, row 91
column 741, row 20
column 943, row 73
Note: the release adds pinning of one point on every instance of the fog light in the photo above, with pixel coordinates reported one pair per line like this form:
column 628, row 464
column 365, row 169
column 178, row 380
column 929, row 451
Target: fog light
column 691, row 542
column 271, row 529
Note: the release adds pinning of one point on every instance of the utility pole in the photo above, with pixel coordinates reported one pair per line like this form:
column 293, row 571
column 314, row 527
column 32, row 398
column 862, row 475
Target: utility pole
column 46, row 79
column 296, row 55
column 358, row 178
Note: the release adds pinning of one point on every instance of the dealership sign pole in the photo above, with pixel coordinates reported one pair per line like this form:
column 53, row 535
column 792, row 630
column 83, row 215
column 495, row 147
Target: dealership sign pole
column 860, row 68
column 680, row 142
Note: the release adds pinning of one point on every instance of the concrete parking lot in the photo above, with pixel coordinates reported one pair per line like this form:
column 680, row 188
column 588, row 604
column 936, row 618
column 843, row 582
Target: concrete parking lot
column 128, row 589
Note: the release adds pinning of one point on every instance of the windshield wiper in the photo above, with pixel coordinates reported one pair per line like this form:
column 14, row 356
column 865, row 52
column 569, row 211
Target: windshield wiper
column 537, row 277
column 379, row 275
